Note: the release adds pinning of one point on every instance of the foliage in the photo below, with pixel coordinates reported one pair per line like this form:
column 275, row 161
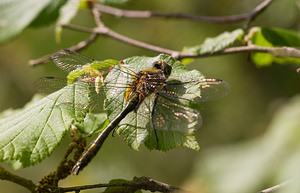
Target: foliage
column 274, row 37
column 32, row 133
column 216, row 44
column 29, row 134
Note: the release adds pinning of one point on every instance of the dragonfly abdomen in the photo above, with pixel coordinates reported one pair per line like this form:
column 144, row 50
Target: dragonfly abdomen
column 95, row 145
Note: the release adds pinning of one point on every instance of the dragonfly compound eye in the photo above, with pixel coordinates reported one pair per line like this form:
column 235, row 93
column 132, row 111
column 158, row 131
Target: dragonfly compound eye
column 163, row 66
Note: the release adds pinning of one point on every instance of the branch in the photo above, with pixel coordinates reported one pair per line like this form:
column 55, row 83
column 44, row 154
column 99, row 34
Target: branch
column 6, row 175
column 76, row 47
column 101, row 29
column 49, row 183
column 143, row 183
column 275, row 51
column 147, row 14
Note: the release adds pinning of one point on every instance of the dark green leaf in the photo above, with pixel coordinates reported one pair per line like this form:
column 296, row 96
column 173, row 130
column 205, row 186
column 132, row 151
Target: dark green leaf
column 281, row 37
column 49, row 14
column 270, row 37
column 16, row 15
column 216, row 44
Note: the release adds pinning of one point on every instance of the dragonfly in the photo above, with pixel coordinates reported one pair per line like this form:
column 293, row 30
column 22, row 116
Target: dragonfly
column 157, row 93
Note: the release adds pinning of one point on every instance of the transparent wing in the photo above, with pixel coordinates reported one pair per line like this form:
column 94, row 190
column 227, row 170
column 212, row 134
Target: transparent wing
column 169, row 115
column 174, row 124
column 68, row 60
column 214, row 89
column 80, row 89
column 210, row 89
column 96, row 92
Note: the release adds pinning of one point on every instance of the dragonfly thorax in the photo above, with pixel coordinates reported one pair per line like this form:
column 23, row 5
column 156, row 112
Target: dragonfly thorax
column 147, row 82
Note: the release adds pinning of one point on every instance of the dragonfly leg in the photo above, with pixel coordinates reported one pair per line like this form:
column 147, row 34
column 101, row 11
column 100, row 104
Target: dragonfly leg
column 152, row 120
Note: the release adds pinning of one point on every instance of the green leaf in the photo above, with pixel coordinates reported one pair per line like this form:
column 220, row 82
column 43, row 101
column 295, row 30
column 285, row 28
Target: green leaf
column 16, row 15
column 49, row 14
column 66, row 14
column 272, row 37
column 137, row 127
column 270, row 159
column 281, row 37
column 32, row 133
column 216, row 44
column 261, row 59
column 92, row 123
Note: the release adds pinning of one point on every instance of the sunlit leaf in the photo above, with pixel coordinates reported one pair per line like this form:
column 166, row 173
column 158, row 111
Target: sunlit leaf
column 66, row 14
column 273, row 37
column 216, row 44
column 32, row 133
column 16, row 15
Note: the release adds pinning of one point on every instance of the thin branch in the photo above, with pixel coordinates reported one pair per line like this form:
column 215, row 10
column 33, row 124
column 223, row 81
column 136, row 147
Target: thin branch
column 147, row 14
column 275, row 51
column 103, row 30
column 257, row 10
column 77, row 47
column 97, row 15
column 6, row 175
column 143, row 183
column 276, row 187
column 110, row 33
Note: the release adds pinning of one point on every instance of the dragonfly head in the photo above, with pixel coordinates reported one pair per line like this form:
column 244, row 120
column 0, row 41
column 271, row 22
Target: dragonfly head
column 163, row 66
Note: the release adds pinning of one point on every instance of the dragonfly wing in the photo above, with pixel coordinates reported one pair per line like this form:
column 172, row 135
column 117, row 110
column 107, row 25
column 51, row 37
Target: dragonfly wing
column 174, row 123
column 214, row 89
column 203, row 89
column 71, row 93
column 68, row 60
column 48, row 85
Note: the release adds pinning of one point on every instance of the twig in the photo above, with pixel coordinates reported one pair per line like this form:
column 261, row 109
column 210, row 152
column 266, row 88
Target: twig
column 260, row 8
column 276, row 51
column 101, row 29
column 76, row 47
column 143, row 183
column 147, row 14
column 276, row 187
column 6, row 175
column 110, row 33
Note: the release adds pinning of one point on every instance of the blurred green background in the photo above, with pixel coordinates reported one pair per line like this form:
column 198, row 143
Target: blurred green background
column 256, row 93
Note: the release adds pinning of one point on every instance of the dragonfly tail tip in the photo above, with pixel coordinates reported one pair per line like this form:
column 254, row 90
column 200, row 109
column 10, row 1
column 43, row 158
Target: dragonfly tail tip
column 75, row 169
